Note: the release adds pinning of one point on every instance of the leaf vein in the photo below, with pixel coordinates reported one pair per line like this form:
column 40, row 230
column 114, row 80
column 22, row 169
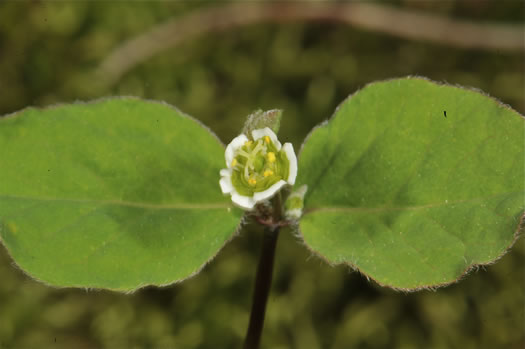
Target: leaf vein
column 402, row 208
column 145, row 205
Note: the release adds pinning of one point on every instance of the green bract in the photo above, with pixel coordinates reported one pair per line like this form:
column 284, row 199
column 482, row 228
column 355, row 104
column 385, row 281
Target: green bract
column 257, row 168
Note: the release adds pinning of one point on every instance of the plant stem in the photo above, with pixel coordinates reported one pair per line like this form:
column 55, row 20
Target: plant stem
column 263, row 280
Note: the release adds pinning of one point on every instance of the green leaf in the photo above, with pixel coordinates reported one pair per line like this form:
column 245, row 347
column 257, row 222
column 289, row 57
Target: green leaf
column 408, row 196
column 261, row 119
column 118, row 194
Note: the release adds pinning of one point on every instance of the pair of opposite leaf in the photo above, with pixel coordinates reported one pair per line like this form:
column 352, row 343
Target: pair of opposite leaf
column 116, row 193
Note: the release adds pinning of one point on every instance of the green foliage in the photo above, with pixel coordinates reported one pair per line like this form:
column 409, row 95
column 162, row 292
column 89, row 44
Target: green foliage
column 118, row 194
column 48, row 50
column 408, row 194
column 124, row 192
column 261, row 119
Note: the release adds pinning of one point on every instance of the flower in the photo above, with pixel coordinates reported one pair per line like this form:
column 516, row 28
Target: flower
column 257, row 168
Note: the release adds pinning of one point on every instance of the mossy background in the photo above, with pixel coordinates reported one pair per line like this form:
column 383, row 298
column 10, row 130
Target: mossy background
column 48, row 51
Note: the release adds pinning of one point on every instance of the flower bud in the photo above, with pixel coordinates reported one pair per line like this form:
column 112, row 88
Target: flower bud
column 293, row 207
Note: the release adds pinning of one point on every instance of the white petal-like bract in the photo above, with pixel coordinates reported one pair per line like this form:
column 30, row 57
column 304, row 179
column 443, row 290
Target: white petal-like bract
column 268, row 193
column 237, row 142
column 288, row 149
column 243, row 201
column 226, row 184
column 256, row 134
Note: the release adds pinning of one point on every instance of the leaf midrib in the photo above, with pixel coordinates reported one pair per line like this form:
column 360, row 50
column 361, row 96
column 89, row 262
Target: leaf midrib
column 177, row 206
column 402, row 208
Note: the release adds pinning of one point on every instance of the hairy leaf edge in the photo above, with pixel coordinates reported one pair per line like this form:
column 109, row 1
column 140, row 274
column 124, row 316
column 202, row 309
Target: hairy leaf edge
column 409, row 77
column 105, row 99
column 471, row 267
column 520, row 230
column 126, row 291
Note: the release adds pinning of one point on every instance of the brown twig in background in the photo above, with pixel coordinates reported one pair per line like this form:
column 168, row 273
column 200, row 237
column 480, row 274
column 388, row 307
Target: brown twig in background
column 408, row 24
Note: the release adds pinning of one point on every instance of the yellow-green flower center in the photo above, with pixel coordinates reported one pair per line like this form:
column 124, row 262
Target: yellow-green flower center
column 257, row 165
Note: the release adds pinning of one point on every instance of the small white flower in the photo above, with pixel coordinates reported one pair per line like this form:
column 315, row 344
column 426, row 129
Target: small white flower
column 258, row 168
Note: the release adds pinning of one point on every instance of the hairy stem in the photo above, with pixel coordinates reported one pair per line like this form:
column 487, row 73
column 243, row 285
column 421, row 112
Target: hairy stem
column 263, row 279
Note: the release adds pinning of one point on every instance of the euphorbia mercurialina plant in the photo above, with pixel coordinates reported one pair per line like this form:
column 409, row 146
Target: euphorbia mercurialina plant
column 411, row 182
column 258, row 167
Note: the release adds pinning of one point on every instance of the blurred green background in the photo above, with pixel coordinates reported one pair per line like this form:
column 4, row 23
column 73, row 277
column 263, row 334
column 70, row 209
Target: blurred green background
column 48, row 53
